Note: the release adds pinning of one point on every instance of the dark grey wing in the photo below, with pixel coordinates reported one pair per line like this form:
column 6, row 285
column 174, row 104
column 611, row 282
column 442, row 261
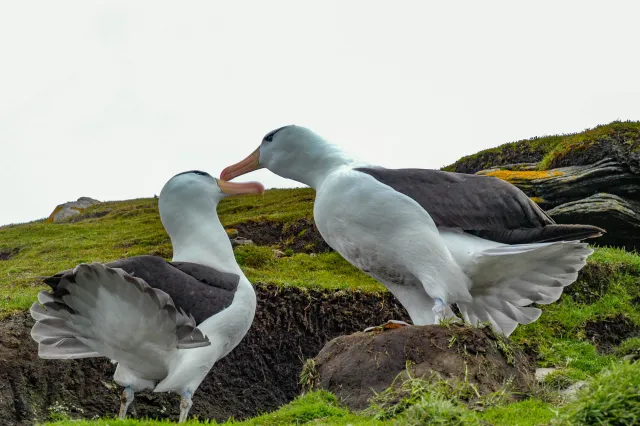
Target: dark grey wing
column 209, row 276
column 482, row 205
column 201, row 295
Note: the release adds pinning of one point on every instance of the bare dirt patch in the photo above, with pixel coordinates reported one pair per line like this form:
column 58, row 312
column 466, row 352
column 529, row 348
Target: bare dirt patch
column 6, row 254
column 607, row 333
column 301, row 236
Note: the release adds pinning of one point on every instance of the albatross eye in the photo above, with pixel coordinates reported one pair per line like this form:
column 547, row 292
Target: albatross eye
column 201, row 173
column 271, row 134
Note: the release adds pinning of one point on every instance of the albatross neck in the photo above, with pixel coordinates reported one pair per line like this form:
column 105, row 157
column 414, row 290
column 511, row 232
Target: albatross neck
column 317, row 162
column 204, row 241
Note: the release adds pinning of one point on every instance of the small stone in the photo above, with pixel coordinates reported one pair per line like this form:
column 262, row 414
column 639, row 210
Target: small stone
column 239, row 241
column 541, row 373
column 232, row 233
column 631, row 357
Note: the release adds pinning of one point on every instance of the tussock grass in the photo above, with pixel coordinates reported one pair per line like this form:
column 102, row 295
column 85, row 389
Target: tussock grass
column 612, row 398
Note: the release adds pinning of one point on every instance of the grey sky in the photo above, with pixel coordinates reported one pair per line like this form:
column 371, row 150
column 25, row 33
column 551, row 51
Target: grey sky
column 109, row 99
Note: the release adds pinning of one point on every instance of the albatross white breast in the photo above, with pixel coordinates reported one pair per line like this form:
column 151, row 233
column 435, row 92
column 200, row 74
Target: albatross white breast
column 432, row 238
column 164, row 323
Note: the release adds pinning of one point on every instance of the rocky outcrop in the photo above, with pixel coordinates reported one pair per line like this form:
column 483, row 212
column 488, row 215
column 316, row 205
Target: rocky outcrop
column 70, row 209
column 357, row 366
column 605, row 194
column 591, row 177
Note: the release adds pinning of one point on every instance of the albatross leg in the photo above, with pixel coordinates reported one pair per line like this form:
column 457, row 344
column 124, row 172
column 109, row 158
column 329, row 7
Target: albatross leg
column 185, row 406
column 443, row 311
column 125, row 400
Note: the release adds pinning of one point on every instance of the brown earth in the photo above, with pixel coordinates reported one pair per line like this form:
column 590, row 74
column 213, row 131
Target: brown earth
column 301, row 236
column 259, row 375
column 607, row 333
column 355, row 367
column 8, row 253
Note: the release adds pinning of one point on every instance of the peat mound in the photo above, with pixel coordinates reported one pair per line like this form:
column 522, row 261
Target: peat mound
column 259, row 375
column 357, row 366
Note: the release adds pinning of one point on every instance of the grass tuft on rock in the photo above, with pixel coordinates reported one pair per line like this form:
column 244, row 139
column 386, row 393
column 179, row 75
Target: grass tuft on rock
column 618, row 138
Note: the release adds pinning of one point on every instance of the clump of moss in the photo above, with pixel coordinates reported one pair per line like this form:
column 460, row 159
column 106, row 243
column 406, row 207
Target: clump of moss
column 435, row 409
column 629, row 347
column 558, row 380
column 254, row 256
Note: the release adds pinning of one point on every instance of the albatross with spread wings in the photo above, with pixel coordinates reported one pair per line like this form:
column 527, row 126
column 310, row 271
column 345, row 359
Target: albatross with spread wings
column 433, row 238
column 164, row 323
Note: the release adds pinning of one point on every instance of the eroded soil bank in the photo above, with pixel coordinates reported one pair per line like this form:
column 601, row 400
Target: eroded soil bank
column 260, row 375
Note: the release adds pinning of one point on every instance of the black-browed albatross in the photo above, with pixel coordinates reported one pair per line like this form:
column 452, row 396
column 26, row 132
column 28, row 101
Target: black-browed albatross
column 164, row 323
column 433, row 238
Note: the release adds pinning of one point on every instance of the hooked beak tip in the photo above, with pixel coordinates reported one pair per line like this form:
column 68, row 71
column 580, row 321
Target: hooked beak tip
column 249, row 164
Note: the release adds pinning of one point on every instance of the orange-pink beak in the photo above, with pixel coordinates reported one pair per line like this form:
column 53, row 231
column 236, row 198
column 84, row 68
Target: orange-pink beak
column 249, row 164
column 232, row 188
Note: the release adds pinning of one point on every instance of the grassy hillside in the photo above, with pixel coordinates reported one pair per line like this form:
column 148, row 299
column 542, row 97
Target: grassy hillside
column 119, row 229
column 617, row 139
column 585, row 334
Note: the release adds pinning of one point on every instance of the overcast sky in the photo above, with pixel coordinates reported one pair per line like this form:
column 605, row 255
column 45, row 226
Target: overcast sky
column 109, row 99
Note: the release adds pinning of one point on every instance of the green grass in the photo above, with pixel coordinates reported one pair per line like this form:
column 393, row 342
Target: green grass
column 133, row 227
column 611, row 398
column 127, row 228
column 317, row 408
column 554, row 151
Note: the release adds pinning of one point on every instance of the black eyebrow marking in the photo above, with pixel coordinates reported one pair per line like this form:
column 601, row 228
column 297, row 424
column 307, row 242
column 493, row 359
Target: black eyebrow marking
column 198, row 172
column 269, row 136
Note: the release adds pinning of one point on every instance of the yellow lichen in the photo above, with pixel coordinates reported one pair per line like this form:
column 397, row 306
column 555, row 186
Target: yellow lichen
column 537, row 200
column 56, row 210
column 520, row 175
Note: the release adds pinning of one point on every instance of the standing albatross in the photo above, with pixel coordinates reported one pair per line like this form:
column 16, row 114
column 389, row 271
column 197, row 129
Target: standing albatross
column 164, row 323
column 432, row 238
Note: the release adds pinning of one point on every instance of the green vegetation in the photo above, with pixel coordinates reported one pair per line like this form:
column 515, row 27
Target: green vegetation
column 113, row 230
column 611, row 398
column 559, row 150
column 609, row 288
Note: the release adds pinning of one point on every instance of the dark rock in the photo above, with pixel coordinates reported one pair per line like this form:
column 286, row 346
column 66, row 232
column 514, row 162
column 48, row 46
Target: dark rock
column 355, row 366
column 259, row 375
column 620, row 217
column 604, row 194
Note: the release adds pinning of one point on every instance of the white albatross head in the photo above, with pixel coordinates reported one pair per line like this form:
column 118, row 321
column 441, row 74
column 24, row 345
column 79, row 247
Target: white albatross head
column 188, row 204
column 293, row 152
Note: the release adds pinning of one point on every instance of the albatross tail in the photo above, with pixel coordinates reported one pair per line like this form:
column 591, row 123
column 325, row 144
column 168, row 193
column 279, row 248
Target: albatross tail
column 96, row 311
column 507, row 278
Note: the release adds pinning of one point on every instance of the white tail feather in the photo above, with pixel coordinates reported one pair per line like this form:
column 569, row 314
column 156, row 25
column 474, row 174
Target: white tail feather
column 507, row 278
